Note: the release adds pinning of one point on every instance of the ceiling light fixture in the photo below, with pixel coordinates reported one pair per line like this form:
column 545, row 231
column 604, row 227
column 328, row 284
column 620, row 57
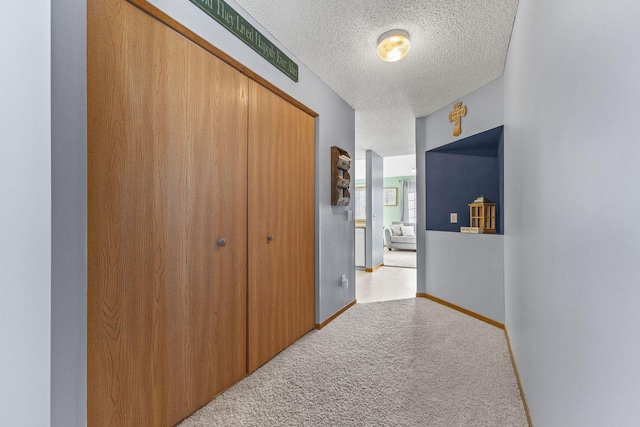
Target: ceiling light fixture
column 393, row 45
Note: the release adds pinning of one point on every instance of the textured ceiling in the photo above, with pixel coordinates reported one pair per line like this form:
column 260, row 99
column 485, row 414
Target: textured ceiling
column 457, row 46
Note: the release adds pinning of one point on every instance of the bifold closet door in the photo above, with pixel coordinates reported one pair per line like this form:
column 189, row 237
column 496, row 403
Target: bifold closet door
column 167, row 234
column 281, row 224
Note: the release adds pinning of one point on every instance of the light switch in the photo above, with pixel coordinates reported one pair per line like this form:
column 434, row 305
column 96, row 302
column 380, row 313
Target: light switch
column 349, row 215
column 453, row 218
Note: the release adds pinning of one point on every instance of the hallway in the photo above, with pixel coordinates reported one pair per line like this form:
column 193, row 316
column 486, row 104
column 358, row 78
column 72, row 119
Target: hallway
column 409, row 362
column 385, row 284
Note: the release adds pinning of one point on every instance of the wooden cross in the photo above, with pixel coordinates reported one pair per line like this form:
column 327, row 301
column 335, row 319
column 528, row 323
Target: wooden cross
column 456, row 116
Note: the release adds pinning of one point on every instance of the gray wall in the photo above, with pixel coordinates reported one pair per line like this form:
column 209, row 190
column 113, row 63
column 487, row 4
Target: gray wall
column 571, row 245
column 447, row 262
column 43, row 307
column 68, row 213
column 375, row 212
column 467, row 270
column 25, row 213
column 335, row 235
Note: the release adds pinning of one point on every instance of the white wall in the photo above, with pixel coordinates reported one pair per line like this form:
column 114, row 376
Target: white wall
column 335, row 236
column 393, row 166
column 572, row 250
column 360, row 169
column 448, row 261
column 25, row 213
column 375, row 213
column 400, row 165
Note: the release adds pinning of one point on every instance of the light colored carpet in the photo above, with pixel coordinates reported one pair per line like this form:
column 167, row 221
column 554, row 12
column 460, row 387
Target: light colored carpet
column 408, row 362
column 396, row 258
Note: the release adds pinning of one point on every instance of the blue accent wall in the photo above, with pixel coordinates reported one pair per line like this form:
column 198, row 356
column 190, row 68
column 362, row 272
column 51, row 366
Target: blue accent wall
column 458, row 173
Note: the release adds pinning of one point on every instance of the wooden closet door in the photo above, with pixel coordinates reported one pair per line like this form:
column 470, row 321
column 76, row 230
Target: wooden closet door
column 281, row 224
column 207, row 217
column 167, row 178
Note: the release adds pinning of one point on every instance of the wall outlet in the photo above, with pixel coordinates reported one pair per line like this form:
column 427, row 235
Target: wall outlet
column 345, row 281
column 453, row 217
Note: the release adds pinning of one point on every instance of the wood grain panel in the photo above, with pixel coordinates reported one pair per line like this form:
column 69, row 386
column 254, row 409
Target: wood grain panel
column 166, row 155
column 186, row 32
column 281, row 204
column 207, row 140
column 119, row 371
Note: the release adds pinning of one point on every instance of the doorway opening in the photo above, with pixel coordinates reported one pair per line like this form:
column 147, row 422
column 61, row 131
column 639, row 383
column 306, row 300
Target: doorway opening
column 392, row 186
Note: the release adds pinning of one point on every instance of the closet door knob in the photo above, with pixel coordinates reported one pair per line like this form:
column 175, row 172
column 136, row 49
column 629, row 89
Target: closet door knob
column 222, row 242
column 270, row 237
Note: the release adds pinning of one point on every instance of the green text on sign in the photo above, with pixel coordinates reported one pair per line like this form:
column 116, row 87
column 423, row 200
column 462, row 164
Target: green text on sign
column 232, row 21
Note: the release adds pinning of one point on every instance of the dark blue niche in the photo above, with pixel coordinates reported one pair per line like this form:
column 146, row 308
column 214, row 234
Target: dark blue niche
column 459, row 172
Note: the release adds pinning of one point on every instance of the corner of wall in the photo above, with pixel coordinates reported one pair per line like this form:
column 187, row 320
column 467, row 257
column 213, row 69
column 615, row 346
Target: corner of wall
column 69, row 214
column 421, row 224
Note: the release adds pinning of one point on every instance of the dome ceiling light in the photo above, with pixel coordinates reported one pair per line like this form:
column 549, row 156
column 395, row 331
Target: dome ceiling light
column 393, row 45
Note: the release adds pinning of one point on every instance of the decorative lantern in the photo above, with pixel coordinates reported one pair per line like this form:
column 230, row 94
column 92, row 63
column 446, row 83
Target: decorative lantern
column 482, row 213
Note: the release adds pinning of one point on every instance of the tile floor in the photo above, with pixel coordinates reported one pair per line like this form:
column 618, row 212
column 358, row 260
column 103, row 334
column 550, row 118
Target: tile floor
column 384, row 284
